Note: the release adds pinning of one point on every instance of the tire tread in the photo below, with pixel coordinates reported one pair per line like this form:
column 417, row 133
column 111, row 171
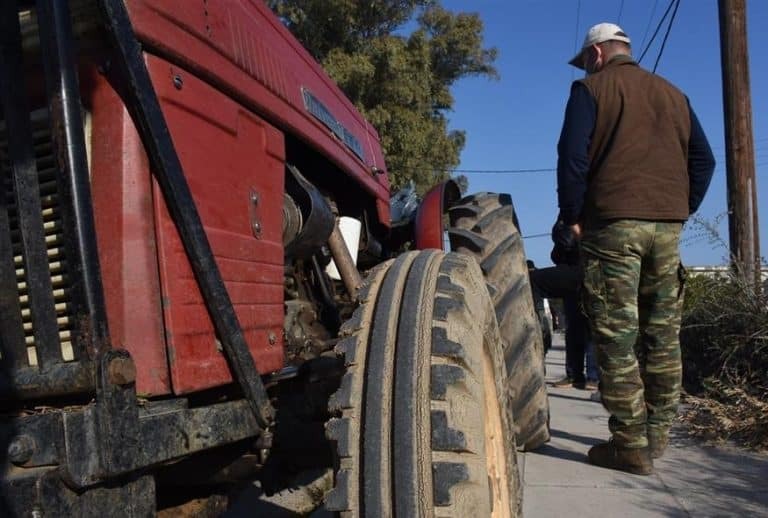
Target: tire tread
column 490, row 233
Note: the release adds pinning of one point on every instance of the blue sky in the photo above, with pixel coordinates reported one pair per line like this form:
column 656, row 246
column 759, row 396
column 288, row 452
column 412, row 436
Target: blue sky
column 514, row 123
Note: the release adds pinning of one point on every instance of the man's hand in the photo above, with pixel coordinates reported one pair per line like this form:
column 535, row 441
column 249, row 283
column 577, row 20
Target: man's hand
column 566, row 239
column 566, row 236
column 576, row 229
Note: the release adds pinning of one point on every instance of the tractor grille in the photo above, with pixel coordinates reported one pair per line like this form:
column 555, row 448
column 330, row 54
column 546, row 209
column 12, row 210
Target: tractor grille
column 54, row 238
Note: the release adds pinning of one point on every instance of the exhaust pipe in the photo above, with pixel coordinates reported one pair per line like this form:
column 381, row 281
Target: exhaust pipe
column 342, row 258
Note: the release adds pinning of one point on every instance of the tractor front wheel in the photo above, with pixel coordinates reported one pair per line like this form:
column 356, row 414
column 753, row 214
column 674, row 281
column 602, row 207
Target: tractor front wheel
column 423, row 422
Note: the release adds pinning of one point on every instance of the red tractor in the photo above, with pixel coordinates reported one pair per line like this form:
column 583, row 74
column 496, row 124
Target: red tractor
column 202, row 284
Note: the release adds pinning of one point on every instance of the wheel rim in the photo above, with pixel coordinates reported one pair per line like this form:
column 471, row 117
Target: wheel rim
column 495, row 451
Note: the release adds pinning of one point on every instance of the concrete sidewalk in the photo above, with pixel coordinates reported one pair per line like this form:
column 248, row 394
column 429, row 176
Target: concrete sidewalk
column 690, row 480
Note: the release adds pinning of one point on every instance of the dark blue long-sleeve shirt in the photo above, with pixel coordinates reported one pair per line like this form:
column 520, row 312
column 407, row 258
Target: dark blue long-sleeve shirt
column 573, row 156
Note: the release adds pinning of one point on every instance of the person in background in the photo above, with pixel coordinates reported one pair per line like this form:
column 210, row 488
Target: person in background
column 564, row 281
column 541, row 307
column 633, row 164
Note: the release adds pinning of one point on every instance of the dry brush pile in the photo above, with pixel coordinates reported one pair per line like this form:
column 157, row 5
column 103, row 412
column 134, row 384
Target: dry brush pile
column 724, row 340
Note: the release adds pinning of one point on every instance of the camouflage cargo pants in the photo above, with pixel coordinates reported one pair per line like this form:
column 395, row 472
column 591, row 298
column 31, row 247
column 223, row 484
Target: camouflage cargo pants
column 633, row 282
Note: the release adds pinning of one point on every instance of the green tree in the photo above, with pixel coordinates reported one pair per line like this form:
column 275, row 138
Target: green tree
column 400, row 82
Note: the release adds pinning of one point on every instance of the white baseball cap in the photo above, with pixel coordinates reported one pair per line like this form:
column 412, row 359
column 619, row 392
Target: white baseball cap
column 598, row 34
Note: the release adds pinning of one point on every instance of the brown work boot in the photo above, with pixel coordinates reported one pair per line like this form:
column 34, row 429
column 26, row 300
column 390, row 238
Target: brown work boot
column 657, row 444
column 632, row 460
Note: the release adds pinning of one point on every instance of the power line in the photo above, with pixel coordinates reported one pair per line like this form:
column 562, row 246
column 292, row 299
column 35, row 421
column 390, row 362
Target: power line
column 658, row 28
column 576, row 37
column 721, row 146
column 576, row 31
column 759, row 151
column 650, row 19
column 503, row 171
column 664, row 42
column 485, row 171
column 621, row 10
column 536, row 235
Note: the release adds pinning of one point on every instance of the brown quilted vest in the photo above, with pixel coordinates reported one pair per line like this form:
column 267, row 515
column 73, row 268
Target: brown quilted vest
column 639, row 149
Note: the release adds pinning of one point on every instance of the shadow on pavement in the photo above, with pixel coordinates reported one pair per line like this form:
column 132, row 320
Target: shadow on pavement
column 548, row 450
column 583, row 439
column 574, row 398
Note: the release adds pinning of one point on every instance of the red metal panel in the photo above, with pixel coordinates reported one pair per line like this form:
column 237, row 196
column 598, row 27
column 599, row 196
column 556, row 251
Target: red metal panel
column 429, row 224
column 241, row 46
column 228, row 155
column 123, row 207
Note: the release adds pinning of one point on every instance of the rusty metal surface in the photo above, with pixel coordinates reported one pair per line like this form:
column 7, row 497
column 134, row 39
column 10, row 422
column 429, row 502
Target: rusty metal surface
column 42, row 490
column 344, row 262
column 62, row 379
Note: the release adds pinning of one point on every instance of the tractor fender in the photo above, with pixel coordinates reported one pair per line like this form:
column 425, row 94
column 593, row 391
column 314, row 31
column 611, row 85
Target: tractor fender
column 429, row 226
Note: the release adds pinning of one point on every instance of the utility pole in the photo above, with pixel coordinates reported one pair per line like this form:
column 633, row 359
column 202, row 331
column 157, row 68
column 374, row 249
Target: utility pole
column 739, row 144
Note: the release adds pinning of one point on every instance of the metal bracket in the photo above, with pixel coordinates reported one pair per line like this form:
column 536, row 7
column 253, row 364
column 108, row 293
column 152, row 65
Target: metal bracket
column 253, row 211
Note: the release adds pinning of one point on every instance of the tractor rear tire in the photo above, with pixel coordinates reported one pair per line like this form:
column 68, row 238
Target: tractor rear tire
column 485, row 226
column 423, row 422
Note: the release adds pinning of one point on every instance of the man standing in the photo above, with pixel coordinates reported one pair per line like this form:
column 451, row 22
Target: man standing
column 633, row 164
